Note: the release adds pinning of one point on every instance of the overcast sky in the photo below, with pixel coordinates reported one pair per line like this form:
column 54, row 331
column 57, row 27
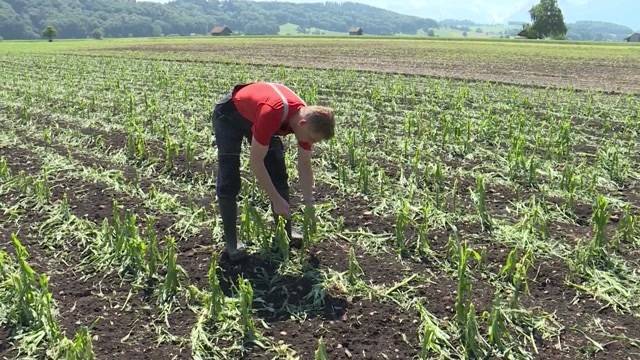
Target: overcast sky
column 625, row 12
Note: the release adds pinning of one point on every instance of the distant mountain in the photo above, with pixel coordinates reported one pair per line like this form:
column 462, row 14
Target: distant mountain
column 580, row 30
column 25, row 19
column 456, row 23
column 597, row 31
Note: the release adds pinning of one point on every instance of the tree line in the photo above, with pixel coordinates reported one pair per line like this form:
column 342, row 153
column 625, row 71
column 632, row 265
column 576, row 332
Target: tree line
column 26, row 19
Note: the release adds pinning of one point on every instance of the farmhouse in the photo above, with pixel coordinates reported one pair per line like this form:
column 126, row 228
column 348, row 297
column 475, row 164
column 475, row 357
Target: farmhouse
column 355, row 31
column 522, row 34
column 220, row 31
column 635, row 37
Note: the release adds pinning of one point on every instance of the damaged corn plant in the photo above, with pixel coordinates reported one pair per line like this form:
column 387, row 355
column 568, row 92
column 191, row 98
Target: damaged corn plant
column 28, row 308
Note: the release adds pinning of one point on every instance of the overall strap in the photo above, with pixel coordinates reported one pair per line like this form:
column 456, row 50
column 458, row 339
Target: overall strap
column 296, row 95
column 285, row 103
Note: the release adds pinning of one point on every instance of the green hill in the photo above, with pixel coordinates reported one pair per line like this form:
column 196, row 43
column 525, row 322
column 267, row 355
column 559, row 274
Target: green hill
column 597, row 31
column 25, row 19
column 293, row 29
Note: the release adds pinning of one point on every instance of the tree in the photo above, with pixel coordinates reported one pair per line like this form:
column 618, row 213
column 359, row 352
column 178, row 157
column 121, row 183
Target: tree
column 70, row 26
column 97, row 34
column 156, row 30
column 547, row 21
column 49, row 32
column 261, row 28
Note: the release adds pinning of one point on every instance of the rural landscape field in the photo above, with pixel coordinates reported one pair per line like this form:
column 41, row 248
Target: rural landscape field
column 480, row 200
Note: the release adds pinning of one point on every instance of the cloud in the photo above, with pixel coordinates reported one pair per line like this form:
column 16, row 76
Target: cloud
column 499, row 11
column 493, row 11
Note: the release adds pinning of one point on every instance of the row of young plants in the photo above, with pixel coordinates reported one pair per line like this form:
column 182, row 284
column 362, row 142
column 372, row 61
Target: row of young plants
column 521, row 167
column 164, row 80
column 28, row 310
column 114, row 244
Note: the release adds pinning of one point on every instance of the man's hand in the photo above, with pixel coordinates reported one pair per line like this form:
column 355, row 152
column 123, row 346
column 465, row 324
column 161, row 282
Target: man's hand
column 281, row 207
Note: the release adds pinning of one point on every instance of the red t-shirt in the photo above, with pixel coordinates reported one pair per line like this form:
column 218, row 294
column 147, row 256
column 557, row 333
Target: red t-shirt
column 263, row 104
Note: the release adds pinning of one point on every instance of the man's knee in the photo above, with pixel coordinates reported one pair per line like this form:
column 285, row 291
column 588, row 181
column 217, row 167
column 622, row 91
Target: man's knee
column 275, row 164
column 228, row 189
column 280, row 180
column 228, row 181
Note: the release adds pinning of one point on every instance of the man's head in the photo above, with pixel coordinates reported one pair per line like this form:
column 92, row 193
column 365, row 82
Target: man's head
column 316, row 123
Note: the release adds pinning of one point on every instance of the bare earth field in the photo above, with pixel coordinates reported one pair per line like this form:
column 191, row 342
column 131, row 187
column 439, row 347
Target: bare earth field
column 612, row 68
column 456, row 219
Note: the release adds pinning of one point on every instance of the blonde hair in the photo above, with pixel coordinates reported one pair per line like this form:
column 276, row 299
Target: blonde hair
column 321, row 120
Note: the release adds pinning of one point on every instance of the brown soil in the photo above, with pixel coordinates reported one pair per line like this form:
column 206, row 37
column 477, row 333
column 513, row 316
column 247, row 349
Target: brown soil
column 366, row 330
column 406, row 58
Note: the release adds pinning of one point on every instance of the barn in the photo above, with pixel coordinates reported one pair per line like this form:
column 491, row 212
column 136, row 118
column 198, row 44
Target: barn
column 355, row 31
column 220, row 31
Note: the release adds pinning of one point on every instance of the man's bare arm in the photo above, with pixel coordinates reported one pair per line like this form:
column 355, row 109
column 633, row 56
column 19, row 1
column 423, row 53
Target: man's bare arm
column 305, row 173
column 256, row 160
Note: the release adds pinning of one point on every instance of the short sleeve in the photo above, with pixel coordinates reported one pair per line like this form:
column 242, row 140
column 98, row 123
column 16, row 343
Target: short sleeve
column 267, row 124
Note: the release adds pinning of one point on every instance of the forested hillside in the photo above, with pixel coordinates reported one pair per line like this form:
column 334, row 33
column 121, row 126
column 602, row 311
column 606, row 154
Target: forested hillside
column 25, row 19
